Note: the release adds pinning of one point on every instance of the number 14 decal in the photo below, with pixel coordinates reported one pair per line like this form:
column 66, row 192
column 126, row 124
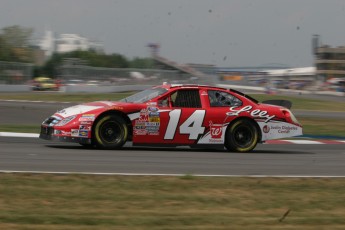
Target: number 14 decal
column 192, row 126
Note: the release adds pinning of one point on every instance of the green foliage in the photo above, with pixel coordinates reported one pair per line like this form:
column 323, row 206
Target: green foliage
column 15, row 47
column 95, row 59
column 16, row 36
column 50, row 68
column 15, row 44
column 5, row 50
column 142, row 63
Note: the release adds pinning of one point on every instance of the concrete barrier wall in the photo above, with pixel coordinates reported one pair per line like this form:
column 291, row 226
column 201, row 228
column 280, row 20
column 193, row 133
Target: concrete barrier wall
column 15, row 88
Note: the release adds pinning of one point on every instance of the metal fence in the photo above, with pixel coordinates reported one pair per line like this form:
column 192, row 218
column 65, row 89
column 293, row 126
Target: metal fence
column 74, row 71
column 15, row 73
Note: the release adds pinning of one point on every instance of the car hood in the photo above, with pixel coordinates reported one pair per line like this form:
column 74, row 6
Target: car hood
column 91, row 107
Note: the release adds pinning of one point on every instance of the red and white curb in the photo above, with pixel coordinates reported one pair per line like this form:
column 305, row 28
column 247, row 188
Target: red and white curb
column 303, row 142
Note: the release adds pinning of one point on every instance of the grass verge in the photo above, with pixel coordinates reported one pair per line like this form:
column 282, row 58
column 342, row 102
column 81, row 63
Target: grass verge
column 322, row 126
column 20, row 128
column 142, row 202
column 62, row 97
column 301, row 103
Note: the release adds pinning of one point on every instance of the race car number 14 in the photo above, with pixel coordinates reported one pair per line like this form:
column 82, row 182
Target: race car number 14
column 192, row 126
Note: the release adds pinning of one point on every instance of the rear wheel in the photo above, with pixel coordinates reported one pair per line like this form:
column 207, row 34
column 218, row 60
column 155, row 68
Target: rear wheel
column 241, row 136
column 110, row 132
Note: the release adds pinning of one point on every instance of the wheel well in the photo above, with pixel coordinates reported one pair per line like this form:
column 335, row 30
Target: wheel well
column 119, row 113
column 248, row 119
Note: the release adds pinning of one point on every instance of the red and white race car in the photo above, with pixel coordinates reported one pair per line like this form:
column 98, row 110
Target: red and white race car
column 175, row 115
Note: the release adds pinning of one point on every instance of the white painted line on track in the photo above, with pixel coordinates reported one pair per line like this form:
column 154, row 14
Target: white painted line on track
column 172, row 174
column 304, row 142
column 11, row 134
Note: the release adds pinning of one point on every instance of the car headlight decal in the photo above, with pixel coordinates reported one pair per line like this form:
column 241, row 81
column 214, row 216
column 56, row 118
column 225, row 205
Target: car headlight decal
column 66, row 120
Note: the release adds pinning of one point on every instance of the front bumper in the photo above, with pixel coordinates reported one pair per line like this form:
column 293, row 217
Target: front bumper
column 47, row 133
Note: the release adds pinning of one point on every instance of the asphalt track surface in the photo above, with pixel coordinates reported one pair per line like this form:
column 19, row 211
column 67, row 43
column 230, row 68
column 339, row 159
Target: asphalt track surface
column 35, row 155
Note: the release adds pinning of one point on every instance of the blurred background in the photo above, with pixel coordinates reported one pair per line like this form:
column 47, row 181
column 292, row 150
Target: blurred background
column 47, row 46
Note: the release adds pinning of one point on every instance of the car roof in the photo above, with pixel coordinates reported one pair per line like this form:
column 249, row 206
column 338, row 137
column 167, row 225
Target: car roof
column 169, row 86
column 193, row 86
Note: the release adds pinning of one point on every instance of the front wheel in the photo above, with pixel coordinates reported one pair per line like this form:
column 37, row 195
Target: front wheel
column 110, row 132
column 241, row 136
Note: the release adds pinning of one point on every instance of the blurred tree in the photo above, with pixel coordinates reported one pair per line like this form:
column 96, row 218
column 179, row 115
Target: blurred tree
column 17, row 36
column 142, row 63
column 50, row 67
column 93, row 58
column 15, row 44
column 5, row 50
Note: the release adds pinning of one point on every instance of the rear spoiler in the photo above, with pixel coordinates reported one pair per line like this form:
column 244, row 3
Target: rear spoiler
column 284, row 103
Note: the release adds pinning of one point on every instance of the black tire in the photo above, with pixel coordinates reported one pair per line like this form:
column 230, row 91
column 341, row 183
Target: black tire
column 241, row 136
column 110, row 132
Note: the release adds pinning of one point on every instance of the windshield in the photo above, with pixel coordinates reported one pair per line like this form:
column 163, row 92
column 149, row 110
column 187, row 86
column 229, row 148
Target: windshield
column 145, row 95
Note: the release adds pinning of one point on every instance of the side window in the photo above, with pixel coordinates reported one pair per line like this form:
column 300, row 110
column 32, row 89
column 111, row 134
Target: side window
column 186, row 99
column 164, row 102
column 222, row 99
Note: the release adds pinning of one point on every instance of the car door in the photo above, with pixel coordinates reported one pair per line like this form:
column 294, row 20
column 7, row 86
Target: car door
column 216, row 118
column 176, row 119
